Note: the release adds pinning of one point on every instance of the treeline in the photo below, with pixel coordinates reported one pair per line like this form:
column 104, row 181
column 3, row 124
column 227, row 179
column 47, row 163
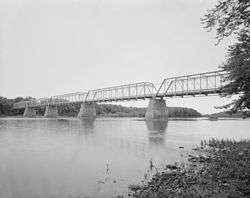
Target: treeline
column 182, row 112
column 109, row 110
column 6, row 106
column 230, row 114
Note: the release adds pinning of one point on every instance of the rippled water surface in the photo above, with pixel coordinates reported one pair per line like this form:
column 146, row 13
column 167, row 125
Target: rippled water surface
column 74, row 158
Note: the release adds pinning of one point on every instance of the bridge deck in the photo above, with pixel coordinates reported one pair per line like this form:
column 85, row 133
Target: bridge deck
column 189, row 85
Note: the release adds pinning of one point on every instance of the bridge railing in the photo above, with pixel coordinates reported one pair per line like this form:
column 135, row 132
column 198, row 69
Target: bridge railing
column 197, row 84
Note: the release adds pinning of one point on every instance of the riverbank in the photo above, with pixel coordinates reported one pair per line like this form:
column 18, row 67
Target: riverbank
column 139, row 118
column 217, row 169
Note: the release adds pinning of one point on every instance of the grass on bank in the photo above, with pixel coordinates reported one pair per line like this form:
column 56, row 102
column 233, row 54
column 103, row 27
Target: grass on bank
column 221, row 169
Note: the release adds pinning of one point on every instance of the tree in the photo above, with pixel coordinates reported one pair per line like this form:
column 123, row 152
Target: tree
column 232, row 17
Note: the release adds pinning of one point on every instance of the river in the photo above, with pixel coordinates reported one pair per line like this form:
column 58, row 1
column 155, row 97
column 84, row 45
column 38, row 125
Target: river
column 68, row 157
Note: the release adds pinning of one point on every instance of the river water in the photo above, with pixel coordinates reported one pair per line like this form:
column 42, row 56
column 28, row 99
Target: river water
column 73, row 158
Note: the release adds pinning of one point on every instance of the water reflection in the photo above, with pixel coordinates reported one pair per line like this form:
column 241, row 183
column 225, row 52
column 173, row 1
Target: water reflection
column 87, row 125
column 156, row 125
column 157, row 129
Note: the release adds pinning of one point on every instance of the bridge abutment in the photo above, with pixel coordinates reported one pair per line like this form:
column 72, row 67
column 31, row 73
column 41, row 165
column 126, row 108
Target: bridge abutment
column 29, row 112
column 87, row 111
column 157, row 110
column 51, row 112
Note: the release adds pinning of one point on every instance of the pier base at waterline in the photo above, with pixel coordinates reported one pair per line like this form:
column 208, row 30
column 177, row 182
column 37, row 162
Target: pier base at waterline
column 51, row 112
column 29, row 112
column 157, row 110
column 87, row 111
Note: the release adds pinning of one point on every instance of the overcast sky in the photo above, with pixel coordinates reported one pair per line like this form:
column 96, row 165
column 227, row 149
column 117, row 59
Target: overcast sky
column 51, row 47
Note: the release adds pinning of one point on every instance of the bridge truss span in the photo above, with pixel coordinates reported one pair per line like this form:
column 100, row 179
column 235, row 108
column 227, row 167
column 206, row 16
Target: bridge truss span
column 116, row 93
column 189, row 85
column 133, row 91
column 192, row 85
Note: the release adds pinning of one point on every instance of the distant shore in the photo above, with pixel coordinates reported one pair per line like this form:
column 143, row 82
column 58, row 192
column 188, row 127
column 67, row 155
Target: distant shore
column 139, row 117
column 216, row 169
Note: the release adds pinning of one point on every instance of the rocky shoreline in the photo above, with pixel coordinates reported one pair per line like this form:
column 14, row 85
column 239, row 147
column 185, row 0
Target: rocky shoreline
column 220, row 168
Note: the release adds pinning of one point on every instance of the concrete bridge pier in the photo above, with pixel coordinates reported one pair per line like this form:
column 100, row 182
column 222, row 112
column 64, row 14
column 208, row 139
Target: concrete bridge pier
column 87, row 111
column 29, row 112
column 157, row 110
column 51, row 112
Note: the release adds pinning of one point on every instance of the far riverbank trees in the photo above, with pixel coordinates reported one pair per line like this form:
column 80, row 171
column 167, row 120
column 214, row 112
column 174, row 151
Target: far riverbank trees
column 71, row 110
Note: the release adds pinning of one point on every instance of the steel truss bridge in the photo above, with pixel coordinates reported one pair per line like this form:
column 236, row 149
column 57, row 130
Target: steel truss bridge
column 189, row 85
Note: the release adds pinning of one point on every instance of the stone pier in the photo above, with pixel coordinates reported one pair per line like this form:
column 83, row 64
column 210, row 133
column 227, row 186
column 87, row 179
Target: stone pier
column 157, row 110
column 87, row 111
column 29, row 112
column 51, row 112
